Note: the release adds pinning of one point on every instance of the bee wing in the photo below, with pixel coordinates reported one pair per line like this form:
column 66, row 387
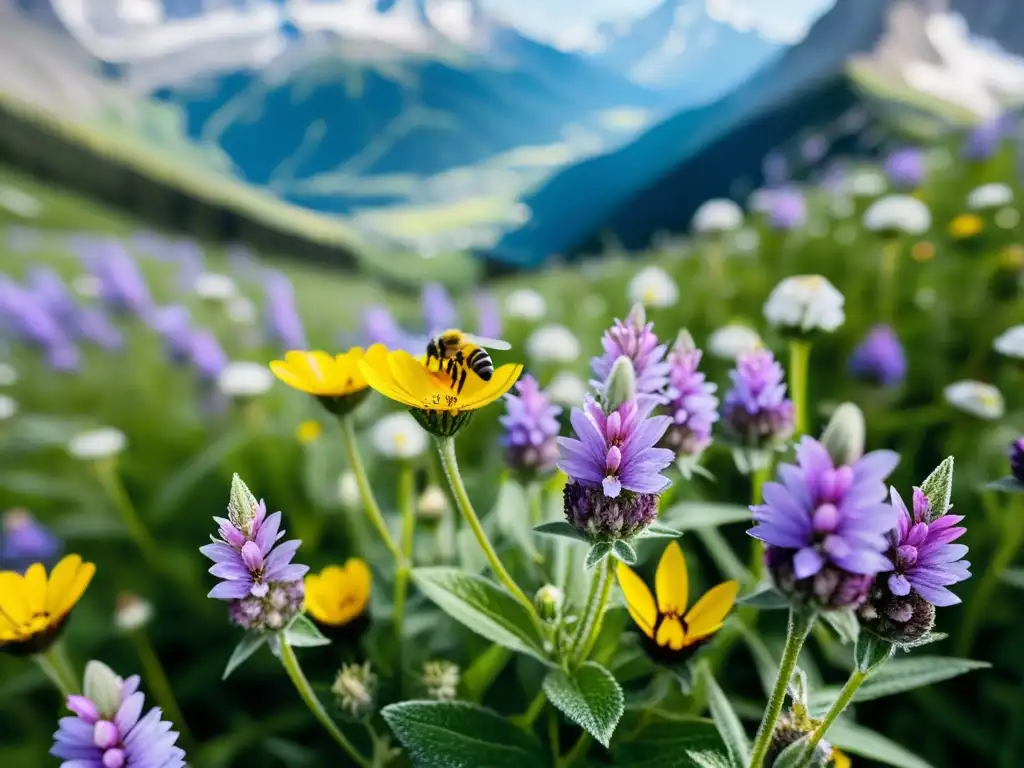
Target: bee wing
column 482, row 341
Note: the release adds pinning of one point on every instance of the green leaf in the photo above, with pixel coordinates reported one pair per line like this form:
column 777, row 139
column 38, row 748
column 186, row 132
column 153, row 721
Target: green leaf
column 938, row 487
column 597, row 553
column 845, row 624
column 512, row 513
column 483, row 670
column 767, row 598
column 623, row 550
column 792, row 755
column 728, row 723
column 559, row 528
column 247, row 646
column 931, row 637
column 667, row 744
column 691, row 515
column 871, row 652
column 303, row 633
column 86, row 525
column 659, row 531
column 706, row 758
column 483, row 606
column 861, row 741
column 459, row 735
column 1008, row 484
column 1014, row 577
column 40, row 486
column 589, row 696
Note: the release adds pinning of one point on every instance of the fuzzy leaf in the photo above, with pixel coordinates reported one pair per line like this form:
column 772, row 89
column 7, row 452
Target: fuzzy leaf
column 1008, row 484
column 767, row 598
column 931, row 637
column 597, row 553
column 659, row 531
column 870, row 652
column 737, row 743
column 589, row 696
column 792, row 756
column 459, row 735
column 247, row 646
column 938, row 487
column 483, row 606
column 844, row 623
column 303, row 633
column 691, row 515
column 1014, row 577
column 559, row 528
column 668, row 744
column 863, row 742
column 624, row 551
column 706, row 758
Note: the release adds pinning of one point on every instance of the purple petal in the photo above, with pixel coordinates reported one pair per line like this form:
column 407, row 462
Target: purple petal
column 807, row 562
column 230, row 590
column 864, row 561
column 612, row 487
column 231, row 571
column 281, row 556
column 219, row 552
column 899, row 585
column 267, row 534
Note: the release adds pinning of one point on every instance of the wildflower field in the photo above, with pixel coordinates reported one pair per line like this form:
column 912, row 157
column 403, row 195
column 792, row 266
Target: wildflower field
column 711, row 508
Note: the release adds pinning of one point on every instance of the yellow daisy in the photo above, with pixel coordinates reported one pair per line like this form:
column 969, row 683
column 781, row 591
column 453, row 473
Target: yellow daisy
column 429, row 394
column 339, row 593
column 673, row 631
column 309, row 431
column 33, row 608
column 965, row 225
column 839, row 760
column 335, row 380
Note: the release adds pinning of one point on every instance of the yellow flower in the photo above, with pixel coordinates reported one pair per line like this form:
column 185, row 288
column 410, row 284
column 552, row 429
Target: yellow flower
column 674, row 630
column 336, row 381
column 308, row 431
column 839, row 760
column 428, row 394
column 339, row 593
column 33, row 609
column 965, row 225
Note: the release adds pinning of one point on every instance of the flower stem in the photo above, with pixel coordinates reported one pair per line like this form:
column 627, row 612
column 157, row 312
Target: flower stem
column 108, row 476
column 799, row 359
column 529, row 717
column 369, row 501
column 159, row 685
column 593, row 612
column 298, row 678
column 761, row 475
column 887, row 292
column 842, row 702
column 579, row 749
column 406, row 503
column 446, row 449
column 800, row 623
column 57, row 668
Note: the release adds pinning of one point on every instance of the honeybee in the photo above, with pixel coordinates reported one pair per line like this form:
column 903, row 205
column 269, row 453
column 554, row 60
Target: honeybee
column 457, row 353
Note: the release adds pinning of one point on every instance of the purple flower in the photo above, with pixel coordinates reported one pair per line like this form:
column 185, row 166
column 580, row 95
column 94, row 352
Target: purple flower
column 93, row 325
column 282, row 316
column 614, row 468
column 258, row 576
column 116, row 737
column 488, row 316
column 634, row 338
column 174, row 325
column 757, row 412
column 826, row 527
column 692, row 404
column 439, row 314
column 52, row 294
column 984, row 139
column 1017, row 458
column 788, row 209
column 879, row 358
column 122, row 284
column 64, row 357
column 207, row 355
column 22, row 314
column 24, row 540
column 905, row 168
column 532, row 428
column 380, row 327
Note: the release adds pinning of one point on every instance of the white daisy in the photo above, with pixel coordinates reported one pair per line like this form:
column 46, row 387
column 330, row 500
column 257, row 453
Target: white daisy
column 553, row 344
column 898, row 213
column 994, row 195
column 211, row 286
column 731, row 341
column 132, row 612
column 525, row 304
column 652, row 286
column 976, row 398
column 1010, row 342
column 399, row 436
column 97, row 444
column 805, row 303
column 245, row 379
column 717, row 216
column 566, row 389
column 8, row 407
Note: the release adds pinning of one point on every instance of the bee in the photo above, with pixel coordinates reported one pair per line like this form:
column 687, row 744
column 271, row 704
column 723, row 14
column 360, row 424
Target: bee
column 457, row 353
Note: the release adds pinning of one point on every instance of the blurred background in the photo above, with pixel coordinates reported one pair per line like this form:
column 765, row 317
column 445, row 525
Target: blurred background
column 190, row 187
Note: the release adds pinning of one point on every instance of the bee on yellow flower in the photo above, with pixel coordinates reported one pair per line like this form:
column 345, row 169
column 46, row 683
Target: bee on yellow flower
column 34, row 608
column 339, row 594
column 673, row 633
column 334, row 380
column 309, row 431
column 966, row 225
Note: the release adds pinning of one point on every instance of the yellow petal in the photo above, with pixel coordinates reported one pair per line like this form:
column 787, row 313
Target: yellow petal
column 65, row 602
column 639, row 600
column 710, row 611
column 62, row 578
column 427, row 389
column 35, row 588
column 670, row 633
column 839, row 760
column 671, row 583
column 13, row 597
column 379, row 378
column 287, row 374
column 501, row 382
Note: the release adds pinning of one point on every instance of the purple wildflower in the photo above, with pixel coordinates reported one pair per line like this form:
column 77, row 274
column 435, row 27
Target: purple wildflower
column 532, row 429
column 64, row 357
column 282, row 316
column 488, row 316
column 757, row 412
column 207, row 355
column 692, row 404
column 1017, row 458
column 174, row 325
column 104, row 735
column 439, row 313
column 93, row 325
column 258, row 577
column 633, row 338
column 380, row 327
column 52, row 294
column 24, row 540
column 905, row 168
column 880, row 358
column 787, row 209
column 25, row 316
column 825, row 526
column 122, row 284
column 614, row 469
column 984, row 140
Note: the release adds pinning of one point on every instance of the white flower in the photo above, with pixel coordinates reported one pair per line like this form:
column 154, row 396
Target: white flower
column 566, row 389
column 731, row 341
column 19, row 203
column 241, row 311
column 717, row 216
column 132, row 612
column 8, row 376
column 245, row 379
column 994, row 195
column 653, row 287
column 1007, row 218
column 87, row 286
column 348, row 490
column 97, row 444
column 399, row 436
column 976, row 398
column 805, row 303
column 8, row 407
column 1010, row 342
column 553, row 344
column 525, row 304
column 211, row 286
column 898, row 213
column 432, row 504
column 866, row 183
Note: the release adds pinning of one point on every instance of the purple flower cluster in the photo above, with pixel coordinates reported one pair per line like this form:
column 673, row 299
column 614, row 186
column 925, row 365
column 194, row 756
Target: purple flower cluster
column 24, row 540
column 1017, row 458
column 532, row 427
column 258, row 577
column 634, row 339
column 756, row 412
column 986, row 139
column 787, row 209
column 879, row 358
column 187, row 345
column 614, row 468
column 905, row 168
column 826, row 527
column 282, row 316
column 25, row 318
column 123, row 287
column 439, row 313
column 116, row 737
column 692, row 404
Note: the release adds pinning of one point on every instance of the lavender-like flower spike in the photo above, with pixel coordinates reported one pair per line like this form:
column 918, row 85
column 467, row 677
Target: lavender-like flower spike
column 258, row 577
column 282, row 316
column 692, row 404
column 826, row 527
column 757, row 412
column 1017, row 459
column 439, row 313
column 24, row 540
column 879, row 358
column 532, row 429
column 634, row 339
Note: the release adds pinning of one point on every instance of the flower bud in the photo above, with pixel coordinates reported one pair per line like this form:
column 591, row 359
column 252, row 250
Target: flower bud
column 348, row 490
column 131, row 612
column 601, row 518
column 355, row 689
column 548, row 601
column 272, row 611
column 103, row 688
column 432, row 505
column 621, row 384
column 844, row 436
column 831, row 588
column 791, row 728
column 242, row 505
column 902, row 620
column 441, row 679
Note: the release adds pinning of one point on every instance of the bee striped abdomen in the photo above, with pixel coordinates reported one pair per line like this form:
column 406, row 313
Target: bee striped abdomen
column 480, row 363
